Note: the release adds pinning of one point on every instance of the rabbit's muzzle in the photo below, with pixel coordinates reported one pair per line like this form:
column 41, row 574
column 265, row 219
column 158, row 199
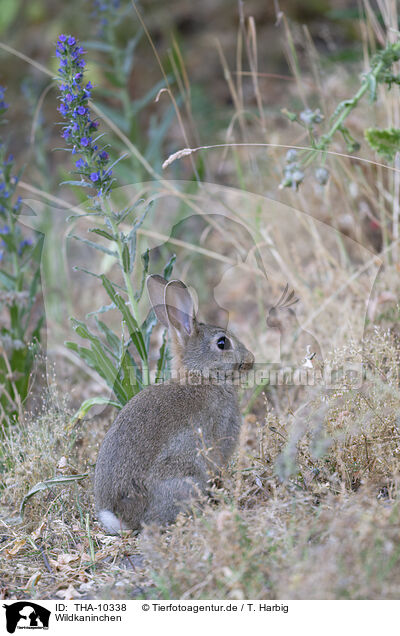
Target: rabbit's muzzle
column 247, row 363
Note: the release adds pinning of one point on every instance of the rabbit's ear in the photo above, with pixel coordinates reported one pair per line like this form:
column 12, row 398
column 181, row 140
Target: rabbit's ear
column 156, row 289
column 179, row 307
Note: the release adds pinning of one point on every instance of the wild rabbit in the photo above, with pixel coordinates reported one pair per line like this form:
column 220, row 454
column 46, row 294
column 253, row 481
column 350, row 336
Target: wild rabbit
column 170, row 438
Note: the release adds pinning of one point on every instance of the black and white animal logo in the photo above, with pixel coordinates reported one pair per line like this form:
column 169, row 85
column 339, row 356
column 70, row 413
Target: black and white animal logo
column 26, row 615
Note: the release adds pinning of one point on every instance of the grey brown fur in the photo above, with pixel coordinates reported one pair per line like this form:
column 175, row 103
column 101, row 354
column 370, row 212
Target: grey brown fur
column 171, row 438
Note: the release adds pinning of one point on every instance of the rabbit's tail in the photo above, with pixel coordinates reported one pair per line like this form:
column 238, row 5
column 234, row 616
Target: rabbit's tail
column 110, row 522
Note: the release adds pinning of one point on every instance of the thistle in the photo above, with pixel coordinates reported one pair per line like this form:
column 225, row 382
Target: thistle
column 385, row 142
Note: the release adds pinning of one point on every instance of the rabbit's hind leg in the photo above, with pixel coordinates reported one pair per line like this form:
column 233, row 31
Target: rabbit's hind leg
column 110, row 522
column 169, row 497
column 126, row 509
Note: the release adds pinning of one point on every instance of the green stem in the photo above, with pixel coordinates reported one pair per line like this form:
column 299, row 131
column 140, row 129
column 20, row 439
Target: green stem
column 129, row 288
column 254, row 396
column 326, row 139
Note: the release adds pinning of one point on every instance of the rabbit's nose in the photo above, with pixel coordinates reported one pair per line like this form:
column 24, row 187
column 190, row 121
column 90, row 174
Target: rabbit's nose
column 247, row 362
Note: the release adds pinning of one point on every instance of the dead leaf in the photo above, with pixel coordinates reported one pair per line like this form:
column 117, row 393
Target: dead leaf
column 63, row 560
column 69, row 594
column 38, row 532
column 18, row 545
column 33, row 580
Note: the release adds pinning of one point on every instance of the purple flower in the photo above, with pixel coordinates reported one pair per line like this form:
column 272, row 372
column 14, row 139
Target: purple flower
column 74, row 108
column 62, row 38
column 63, row 109
column 5, row 230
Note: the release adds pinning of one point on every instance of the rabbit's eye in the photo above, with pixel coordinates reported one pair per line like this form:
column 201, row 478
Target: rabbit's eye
column 223, row 343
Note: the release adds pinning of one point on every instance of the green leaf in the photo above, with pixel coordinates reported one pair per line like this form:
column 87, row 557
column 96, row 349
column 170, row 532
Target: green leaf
column 131, row 324
column 168, row 267
column 80, row 216
column 101, row 310
column 104, row 366
column 157, row 133
column 385, row 142
column 145, row 260
column 7, row 280
column 37, row 329
column 111, row 337
column 132, row 385
column 82, row 184
column 49, row 483
column 129, row 54
column 86, row 354
column 95, row 246
column 76, row 268
column 371, row 87
column 97, row 45
column 33, row 290
column 126, row 261
column 148, row 327
column 117, row 161
column 88, row 404
column 103, row 233
column 162, row 356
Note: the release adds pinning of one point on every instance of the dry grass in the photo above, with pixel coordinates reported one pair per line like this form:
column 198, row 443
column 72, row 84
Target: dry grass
column 309, row 506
